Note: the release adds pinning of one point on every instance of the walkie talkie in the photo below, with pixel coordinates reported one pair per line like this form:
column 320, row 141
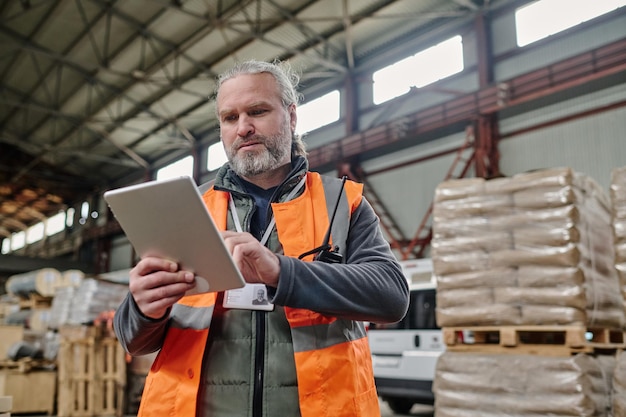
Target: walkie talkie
column 326, row 253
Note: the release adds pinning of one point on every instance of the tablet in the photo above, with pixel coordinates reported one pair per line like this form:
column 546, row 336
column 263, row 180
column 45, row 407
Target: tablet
column 168, row 219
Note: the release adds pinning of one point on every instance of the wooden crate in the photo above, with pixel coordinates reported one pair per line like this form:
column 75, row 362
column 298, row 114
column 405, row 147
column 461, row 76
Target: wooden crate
column 92, row 377
column 32, row 392
column 8, row 336
column 6, row 404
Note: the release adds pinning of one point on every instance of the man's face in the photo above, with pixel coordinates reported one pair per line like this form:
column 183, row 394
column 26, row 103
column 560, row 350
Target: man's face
column 256, row 129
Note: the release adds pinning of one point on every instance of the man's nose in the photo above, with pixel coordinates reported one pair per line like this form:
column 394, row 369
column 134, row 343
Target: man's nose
column 245, row 127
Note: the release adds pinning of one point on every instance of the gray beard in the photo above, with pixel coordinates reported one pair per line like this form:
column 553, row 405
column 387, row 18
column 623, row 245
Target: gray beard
column 252, row 164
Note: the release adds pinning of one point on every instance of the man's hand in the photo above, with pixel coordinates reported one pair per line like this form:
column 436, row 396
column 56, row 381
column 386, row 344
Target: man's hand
column 257, row 263
column 156, row 284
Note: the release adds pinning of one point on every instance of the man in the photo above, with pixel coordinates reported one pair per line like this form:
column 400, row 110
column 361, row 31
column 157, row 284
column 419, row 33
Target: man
column 260, row 297
column 306, row 356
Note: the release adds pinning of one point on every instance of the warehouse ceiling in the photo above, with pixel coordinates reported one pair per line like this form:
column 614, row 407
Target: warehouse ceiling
column 93, row 92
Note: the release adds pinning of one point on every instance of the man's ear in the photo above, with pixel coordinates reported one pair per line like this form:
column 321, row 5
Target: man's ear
column 293, row 117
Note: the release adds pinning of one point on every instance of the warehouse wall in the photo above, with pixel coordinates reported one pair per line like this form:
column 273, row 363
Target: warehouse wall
column 593, row 145
column 407, row 192
column 122, row 255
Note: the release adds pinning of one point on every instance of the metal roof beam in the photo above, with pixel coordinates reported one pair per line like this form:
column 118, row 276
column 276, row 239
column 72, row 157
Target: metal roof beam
column 467, row 3
column 11, row 138
column 79, row 123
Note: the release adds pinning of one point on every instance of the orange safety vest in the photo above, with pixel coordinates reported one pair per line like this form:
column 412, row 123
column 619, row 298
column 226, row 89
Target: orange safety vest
column 335, row 376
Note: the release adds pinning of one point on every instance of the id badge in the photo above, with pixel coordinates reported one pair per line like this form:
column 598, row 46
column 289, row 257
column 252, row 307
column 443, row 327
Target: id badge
column 249, row 297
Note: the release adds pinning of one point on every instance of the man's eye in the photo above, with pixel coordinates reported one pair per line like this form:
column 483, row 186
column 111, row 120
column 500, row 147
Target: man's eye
column 229, row 118
column 257, row 112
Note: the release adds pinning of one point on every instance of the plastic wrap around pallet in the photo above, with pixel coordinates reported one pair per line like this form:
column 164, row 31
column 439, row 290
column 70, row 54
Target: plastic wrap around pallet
column 535, row 248
column 82, row 304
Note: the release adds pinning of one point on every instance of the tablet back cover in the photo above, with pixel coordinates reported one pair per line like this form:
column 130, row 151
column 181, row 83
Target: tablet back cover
column 168, row 219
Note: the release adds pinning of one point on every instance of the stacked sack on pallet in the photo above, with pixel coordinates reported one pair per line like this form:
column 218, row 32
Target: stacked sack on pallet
column 619, row 386
column 618, row 205
column 481, row 385
column 531, row 249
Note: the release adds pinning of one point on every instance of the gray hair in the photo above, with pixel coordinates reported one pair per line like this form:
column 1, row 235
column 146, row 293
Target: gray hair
column 287, row 81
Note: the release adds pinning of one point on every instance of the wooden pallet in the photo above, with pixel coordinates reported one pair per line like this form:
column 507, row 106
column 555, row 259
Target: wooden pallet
column 92, row 377
column 25, row 365
column 35, row 301
column 542, row 340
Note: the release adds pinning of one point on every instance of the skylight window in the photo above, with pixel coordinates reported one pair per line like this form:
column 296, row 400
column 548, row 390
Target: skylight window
column 34, row 233
column 56, row 224
column 216, row 156
column 69, row 219
column 543, row 18
column 425, row 67
column 84, row 212
column 319, row 112
column 182, row 167
column 18, row 240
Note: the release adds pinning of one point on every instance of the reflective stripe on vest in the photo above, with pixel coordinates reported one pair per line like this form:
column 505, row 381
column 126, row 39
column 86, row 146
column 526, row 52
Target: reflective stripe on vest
column 188, row 317
column 320, row 336
column 172, row 384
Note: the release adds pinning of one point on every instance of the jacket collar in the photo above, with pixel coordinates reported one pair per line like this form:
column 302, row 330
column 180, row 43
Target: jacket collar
column 227, row 180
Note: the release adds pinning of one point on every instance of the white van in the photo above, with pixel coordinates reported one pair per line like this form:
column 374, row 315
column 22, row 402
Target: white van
column 405, row 354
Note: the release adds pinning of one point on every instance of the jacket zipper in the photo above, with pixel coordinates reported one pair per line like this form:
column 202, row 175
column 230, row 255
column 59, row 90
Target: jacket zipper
column 259, row 365
column 259, row 350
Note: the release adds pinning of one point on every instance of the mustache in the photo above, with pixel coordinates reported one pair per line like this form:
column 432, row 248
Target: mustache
column 240, row 141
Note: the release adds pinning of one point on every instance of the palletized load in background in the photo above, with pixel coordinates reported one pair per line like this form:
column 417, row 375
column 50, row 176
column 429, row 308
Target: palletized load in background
column 535, row 248
column 41, row 282
column 83, row 304
column 30, row 382
column 9, row 304
column 483, row 385
column 95, row 296
column 61, row 306
column 72, row 277
column 618, row 206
